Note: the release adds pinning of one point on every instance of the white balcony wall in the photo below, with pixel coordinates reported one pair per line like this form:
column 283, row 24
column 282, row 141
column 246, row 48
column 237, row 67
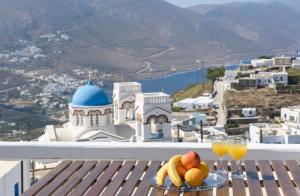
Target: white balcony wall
column 133, row 151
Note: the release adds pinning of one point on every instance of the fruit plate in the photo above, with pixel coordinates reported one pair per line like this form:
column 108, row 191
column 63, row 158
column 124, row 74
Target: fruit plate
column 212, row 181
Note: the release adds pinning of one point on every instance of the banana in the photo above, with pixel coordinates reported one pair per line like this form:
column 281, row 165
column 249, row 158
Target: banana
column 172, row 170
column 162, row 174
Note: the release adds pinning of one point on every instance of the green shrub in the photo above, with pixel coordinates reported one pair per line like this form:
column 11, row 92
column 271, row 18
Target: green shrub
column 177, row 109
column 232, row 125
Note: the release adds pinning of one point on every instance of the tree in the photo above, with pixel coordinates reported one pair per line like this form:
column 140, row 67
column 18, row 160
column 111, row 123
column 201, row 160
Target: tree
column 214, row 73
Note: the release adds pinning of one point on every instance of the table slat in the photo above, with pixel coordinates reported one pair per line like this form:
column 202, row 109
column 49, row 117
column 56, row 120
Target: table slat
column 75, row 178
column 284, row 180
column 133, row 179
column 115, row 184
column 90, row 179
column 47, row 178
column 268, row 178
column 238, row 185
column 295, row 171
column 223, row 191
column 60, row 179
column 157, row 192
column 253, row 179
column 144, row 186
column 101, row 182
column 174, row 193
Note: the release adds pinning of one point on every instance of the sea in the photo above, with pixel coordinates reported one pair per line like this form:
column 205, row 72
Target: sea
column 175, row 82
column 178, row 81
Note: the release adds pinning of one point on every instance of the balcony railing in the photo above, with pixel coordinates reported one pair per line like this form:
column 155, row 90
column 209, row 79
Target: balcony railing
column 133, row 151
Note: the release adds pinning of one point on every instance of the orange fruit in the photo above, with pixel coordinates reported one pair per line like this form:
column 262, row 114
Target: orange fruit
column 194, row 177
column 204, row 168
column 181, row 171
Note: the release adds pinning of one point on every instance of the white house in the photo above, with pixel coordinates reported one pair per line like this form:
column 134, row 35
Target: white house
column 263, row 79
column 270, row 79
column 14, row 177
column 280, row 77
column 199, row 103
column 282, row 61
column 287, row 132
column 153, row 117
column 296, row 63
column 262, row 62
column 291, row 114
column 273, row 134
column 249, row 112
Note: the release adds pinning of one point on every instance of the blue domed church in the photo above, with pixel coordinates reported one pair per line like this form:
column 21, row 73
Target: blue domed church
column 90, row 107
column 133, row 116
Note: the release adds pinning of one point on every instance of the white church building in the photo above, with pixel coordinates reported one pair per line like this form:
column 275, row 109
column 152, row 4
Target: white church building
column 124, row 95
column 132, row 116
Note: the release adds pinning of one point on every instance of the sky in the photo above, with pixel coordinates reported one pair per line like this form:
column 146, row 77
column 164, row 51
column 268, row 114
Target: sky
column 188, row 3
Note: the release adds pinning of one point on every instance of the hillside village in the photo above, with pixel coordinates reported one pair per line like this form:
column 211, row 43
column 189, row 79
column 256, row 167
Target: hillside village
column 262, row 92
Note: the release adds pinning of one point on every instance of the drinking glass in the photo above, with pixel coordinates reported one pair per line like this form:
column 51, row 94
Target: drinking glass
column 237, row 149
column 219, row 147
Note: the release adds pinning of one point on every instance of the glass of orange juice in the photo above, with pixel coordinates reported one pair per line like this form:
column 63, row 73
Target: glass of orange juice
column 220, row 148
column 237, row 149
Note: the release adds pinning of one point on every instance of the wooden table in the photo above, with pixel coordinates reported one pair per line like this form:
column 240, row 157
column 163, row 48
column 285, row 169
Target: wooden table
column 110, row 178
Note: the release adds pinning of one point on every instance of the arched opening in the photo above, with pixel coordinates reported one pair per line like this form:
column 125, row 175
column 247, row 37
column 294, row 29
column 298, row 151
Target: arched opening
column 156, row 124
column 129, row 110
column 152, row 122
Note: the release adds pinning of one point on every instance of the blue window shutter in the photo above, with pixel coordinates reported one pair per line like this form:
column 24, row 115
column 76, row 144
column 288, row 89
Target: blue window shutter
column 17, row 189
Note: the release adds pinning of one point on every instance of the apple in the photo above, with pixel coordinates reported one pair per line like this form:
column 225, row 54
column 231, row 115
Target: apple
column 190, row 160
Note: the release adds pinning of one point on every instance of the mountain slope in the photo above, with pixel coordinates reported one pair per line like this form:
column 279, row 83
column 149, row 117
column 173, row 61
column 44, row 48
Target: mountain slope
column 136, row 36
column 267, row 25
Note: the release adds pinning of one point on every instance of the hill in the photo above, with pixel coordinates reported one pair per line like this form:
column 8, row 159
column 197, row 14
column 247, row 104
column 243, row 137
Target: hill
column 272, row 25
column 142, row 38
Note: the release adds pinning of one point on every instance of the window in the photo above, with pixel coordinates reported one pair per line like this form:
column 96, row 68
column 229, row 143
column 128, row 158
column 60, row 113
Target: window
column 97, row 119
column 92, row 120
